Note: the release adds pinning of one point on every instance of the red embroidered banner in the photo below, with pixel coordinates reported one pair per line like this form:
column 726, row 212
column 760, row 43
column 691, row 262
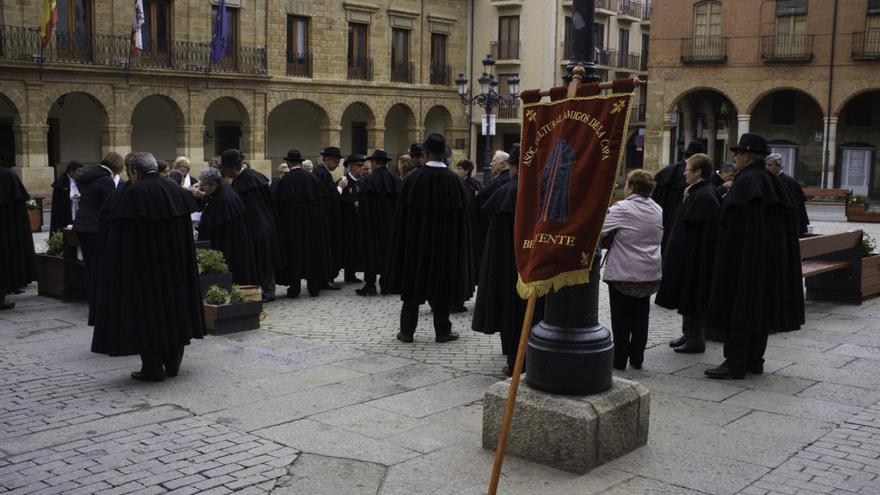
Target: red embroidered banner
column 570, row 153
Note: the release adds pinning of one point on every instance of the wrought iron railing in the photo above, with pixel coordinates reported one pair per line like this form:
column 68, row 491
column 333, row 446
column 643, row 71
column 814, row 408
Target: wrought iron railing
column 787, row 48
column 630, row 60
column 441, row 74
column 704, row 50
column 647, row 10
column 504, row 49
column 866, row 45
column 23, row 44
column 360, row 69
column 605, row 57
column 508, row 110
column 403, row 72
column 300, row 65
column 630, row 8
column 606, row 4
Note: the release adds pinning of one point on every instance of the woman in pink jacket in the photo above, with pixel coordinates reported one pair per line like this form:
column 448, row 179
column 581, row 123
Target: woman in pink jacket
column 633, row 266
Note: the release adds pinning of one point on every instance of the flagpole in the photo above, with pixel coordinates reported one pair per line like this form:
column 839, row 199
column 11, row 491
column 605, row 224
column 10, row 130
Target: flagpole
column 511, row 395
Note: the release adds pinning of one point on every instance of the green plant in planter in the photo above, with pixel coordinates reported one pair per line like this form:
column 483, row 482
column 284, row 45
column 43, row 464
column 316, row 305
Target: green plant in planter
column 216, row 296
column 858, row 199
column 55, row 243
column 236, row 296
column 32, row 205
column 211, row 261
column 869, row 245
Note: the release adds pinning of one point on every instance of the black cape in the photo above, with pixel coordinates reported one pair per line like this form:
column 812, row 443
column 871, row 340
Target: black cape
column 95, row 186
column 253, row 189
column 499, row 307
column 332, row 208
column 147, row 298
column 668, row 194
column 61, row 215
column 799, row 200
column 300, row 201
column 376, row 216
column 351, row 245
column 430, row 255
column 690, row 253
column 17, row 267
column 223, row 223
column 481, row 199
column 756, row 280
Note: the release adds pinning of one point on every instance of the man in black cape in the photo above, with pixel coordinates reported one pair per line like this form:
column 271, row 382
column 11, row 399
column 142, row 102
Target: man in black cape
column 753, row 283
column 501, row 176
column 147, row 299
column 670, row 188
column 687, row 264
column 795, row 193
column 417, row 154
column 64, row 189
column 253, row 189
column 223, row 223
column 349, row 187
column 499, row 309
column 376, row 216
column 430, row 251
column 17, row 267
column 300, row 201
column 330, row 158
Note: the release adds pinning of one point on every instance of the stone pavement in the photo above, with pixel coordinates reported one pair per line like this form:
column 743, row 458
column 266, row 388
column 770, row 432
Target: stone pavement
column 323, row 400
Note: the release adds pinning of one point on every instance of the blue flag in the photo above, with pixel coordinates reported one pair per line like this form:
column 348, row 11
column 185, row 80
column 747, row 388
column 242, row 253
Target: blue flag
column 218, row 43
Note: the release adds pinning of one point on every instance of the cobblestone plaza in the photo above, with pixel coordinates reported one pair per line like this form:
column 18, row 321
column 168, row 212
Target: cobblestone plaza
column 323, row 400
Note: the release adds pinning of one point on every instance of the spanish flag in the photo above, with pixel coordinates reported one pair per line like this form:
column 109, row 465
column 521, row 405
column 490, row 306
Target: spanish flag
column 47, row 20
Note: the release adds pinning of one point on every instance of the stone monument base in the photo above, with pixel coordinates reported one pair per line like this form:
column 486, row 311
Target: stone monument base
column 572, row 433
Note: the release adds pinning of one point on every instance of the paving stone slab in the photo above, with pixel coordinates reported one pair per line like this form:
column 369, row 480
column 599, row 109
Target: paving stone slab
column 430, row 437
column 779, row 425
column 369, row 421
column 650, row 486
column 844, row 394
column 703, row 389
column 857, row 351
column 300, row 380
column 792, row 355
column 436, row 398
column 374, row 363
column 399, row 380
column 833, row 375
column 769, row 382
column 669, row 407
column 793, row 406
column 321, row 475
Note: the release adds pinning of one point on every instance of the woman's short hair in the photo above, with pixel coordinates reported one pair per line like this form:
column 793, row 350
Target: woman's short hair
column 176, row 176
column 113, row 161
column 404, row 164
column 466, row 165
column 700, row 162
column 162, row 164
column 211, row 176
column 73, row 166
column 641, row 182
column 182, row 160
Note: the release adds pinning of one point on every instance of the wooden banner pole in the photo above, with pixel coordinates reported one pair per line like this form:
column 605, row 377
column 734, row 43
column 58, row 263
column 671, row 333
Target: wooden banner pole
column 511, row 396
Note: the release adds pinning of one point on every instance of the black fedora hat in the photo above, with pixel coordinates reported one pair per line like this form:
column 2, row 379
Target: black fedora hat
column 231, row 158
column 514, row 155
column 332, row 151
column 379, row 155
column 416, row 149
column 435, row 144
column 694, row 147
column 293, row 156
column 353, row 158
column 751, row 143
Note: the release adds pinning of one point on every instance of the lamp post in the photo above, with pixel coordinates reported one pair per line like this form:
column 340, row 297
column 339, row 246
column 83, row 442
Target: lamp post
column 488, row 99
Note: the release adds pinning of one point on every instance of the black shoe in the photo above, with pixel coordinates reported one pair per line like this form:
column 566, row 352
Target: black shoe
column 292, row 294
column 404, row 338
column 755, row 368
column 636, row 366
column 367, row 290
column 171, row 360
column 689, row 348
column 460, row 309
column 507, row 371
column 314, row 293
column 268, row 299
column 354, row 280
column 139, row 376
column 6, row 305
column 725, row 372
column 619, row 366
column 449, row 337
column 677, row 342
column 332, row 286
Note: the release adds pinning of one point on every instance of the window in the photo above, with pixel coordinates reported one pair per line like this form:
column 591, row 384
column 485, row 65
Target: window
column 623, row 48
column 707, row 19
column 566, row 52
column 599, row 35
column 156, row 31
column 231, row 33
column 783, row 108
column 872, row 32
column 508, row 37
column 297, row 38
column 506, row 110
column 360, row 66
column 401, row 67
column 440, row 72
column 74, row 26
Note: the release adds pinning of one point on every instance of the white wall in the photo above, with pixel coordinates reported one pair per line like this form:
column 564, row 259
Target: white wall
column 79, row 128
column 154, row 128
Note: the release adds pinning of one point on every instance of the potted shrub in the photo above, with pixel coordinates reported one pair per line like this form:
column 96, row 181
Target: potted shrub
column 50, row 268
column 857, row 210
column 870, row 267
column 35, row 214
column 213, row 270
column 228, row 311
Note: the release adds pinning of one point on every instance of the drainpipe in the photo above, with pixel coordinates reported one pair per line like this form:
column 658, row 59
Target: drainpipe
column 827, row 151
column 470, row 71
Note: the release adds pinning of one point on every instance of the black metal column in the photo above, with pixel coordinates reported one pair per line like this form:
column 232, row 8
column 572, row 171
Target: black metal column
column 570, row 352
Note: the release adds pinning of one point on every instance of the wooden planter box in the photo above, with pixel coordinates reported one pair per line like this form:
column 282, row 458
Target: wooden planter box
column 870, row 276
column 60, row 278
column 231, row 318
column 252, row 292
column 36, row 218
column 222, row 280
column 858, row 212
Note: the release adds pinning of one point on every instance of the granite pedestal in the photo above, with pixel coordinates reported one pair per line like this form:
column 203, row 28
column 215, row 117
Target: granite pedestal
column 572, row 433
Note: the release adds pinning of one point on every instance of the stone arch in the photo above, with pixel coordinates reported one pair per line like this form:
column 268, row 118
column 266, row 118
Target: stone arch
column 78, row 128
column 851, row 97
column 10, row 132
column 704, row 114
column 769, row 91
column 438, row 119
column 296, row 123
column 151, row 130
column 358, row 124
column 681, row 97
column 227, row 125
column 400, row 129
column 101, row 95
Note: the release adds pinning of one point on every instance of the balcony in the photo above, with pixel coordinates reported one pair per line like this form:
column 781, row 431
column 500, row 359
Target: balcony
column 647, row 10
column 630, row 10
column 631, row 61
column 866, row 45
column 704, row 50
column 19, row 43
column 787, row 48
column 605, row 57
column 508, row 110
column 300, row 65
column 441, row 75
column 360, row 69
column 403, row 72
column 606, row 7
column 504, row 50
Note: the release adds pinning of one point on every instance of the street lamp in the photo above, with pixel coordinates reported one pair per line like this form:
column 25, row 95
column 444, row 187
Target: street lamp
column 488, row 99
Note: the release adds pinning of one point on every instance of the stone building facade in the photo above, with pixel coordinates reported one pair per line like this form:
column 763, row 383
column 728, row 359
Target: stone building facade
column 295, row 74
column 720, row 68
column 531, row 38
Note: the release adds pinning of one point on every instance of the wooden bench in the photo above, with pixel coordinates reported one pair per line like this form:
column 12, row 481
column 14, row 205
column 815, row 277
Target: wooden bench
column 832, row 266
column 825, row 196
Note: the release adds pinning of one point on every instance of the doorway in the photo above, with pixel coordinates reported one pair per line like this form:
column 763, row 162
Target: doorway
column 857, row 169
column 228, row 136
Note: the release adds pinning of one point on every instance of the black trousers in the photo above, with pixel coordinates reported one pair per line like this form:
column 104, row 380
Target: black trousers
column 629, row 324
column 370, row 279
column 313, row 286
column 162, row 363
column 743, row 348
column 692, row 329
column 268, row 284
column 88, row 243
column 409, row 317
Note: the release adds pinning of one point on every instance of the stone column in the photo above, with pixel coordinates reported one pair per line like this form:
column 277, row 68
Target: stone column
column 830, row 144
column 34, row 168
column 375, row 138
column 116, row 138
column 742, row 121
column 415, row 134
column 711, row 134
column 331, row 136
column 668, row 138
column 193, row 146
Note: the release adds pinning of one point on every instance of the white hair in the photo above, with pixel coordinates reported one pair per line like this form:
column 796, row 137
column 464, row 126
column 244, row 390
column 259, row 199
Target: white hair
column 501, row 155
column 211, row 176
column 143, row 163
column 308, row 165
column 776, row 157
column 181, row 160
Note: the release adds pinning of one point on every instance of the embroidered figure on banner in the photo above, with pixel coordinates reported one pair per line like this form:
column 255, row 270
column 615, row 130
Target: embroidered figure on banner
column 555, row 183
